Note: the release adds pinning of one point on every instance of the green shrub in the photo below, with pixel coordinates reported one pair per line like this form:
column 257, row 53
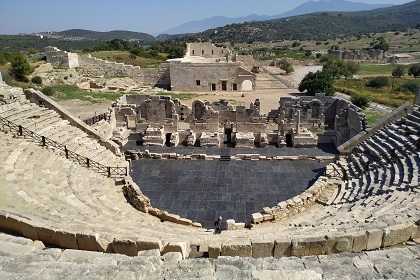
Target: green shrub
column 414, row 70
column 378, row 82
column 37, row 80
column 409, row 86
column 48, row 91
column 360, row 100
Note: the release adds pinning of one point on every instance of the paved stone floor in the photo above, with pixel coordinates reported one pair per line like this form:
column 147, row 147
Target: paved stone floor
column 202, row 190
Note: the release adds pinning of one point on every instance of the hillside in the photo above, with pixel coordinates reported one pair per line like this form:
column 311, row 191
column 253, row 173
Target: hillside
column 320, row 26
column 305, row 8
column 106, row 36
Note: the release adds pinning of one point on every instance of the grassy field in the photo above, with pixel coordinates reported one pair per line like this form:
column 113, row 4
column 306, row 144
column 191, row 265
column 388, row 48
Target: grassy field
column 373, row 116
column 375, row 70
column 71, row 92
column 379, row 95
column 123, row 57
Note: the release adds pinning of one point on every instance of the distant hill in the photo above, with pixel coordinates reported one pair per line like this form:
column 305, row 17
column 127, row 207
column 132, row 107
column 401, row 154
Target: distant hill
column 306, row 8
column 106, row 36
column 321, row 25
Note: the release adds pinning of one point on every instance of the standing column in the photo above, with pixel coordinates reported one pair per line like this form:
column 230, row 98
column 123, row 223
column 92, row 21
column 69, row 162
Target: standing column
column 298, row 122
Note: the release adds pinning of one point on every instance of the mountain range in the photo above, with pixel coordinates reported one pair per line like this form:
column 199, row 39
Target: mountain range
column 306, row 8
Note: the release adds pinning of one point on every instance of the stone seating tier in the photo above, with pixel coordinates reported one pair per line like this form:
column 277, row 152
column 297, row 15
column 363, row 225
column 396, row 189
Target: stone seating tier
column 85, row 202
column 48, row 197
column 24, row 259
column 49, row 124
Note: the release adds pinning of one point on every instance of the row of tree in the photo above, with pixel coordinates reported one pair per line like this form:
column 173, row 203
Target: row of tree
column 172, row 48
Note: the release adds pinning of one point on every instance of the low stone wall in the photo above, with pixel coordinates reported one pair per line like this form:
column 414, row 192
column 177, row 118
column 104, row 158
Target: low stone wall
column 43, row 100
column 293, row 205
column 398, row 113
column 135, row 155
column 91, row 67
column 142, row 203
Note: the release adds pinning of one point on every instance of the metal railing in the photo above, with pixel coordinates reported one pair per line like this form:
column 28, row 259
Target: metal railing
column 44, row 141
column 96, row 119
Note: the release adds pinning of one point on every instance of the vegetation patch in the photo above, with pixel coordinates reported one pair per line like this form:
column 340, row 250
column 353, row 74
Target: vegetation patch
column 375, row 69
column 72, row 92
column 386, row 95
column 373, row 115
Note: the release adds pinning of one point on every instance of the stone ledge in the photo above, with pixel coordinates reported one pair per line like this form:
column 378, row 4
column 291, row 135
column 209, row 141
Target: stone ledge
column 292, row 206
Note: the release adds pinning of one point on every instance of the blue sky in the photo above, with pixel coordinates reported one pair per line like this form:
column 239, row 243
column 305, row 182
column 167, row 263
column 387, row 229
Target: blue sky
column 153, row 17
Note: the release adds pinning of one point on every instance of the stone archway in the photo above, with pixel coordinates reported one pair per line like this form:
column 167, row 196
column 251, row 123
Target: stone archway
column 247, row 85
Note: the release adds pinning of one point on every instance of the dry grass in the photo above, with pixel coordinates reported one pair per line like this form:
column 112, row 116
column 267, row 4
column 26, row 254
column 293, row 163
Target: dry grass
column 379, row 95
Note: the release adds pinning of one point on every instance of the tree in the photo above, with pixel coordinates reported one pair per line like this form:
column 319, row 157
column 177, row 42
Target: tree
column 381, row 44
column 414, row 70
column 20, row 67
column 286, row 66
column 318, row 82
column 398, row 71
column 378, row 82
column 339, row 67
column 360, row 100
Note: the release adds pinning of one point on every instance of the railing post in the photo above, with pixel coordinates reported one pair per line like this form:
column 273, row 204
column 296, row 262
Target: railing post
column 20, row 130
column 87, row 162
column 43, row 140
column 108, row 168
column 66, row 152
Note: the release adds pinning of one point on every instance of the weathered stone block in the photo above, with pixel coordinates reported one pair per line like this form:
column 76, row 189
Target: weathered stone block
column 86, row 242
column 214, row 250
column 262, row 249
column 149, row 244
column 360, row 241
column 308, row 246
column 337, row 243
column 257, row 218
column 282, row 247
column 29, row 231
column 67, row 240
column 12, row 222
column 181, row 247
column 47, row 235
column 240, row 249
column 125, row 247
column 374, row 237
column 230, row 224
column 397, row 234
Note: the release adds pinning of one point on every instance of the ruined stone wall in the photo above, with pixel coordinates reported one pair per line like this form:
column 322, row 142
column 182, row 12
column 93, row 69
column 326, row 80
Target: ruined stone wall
column 92, row 67
column 247, row 60
column 206, row 50
column 158, row 77
column 61, row 59
column 200, row 76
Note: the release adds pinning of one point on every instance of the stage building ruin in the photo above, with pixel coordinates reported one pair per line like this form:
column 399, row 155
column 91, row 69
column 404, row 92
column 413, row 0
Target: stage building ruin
column 153, row 120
